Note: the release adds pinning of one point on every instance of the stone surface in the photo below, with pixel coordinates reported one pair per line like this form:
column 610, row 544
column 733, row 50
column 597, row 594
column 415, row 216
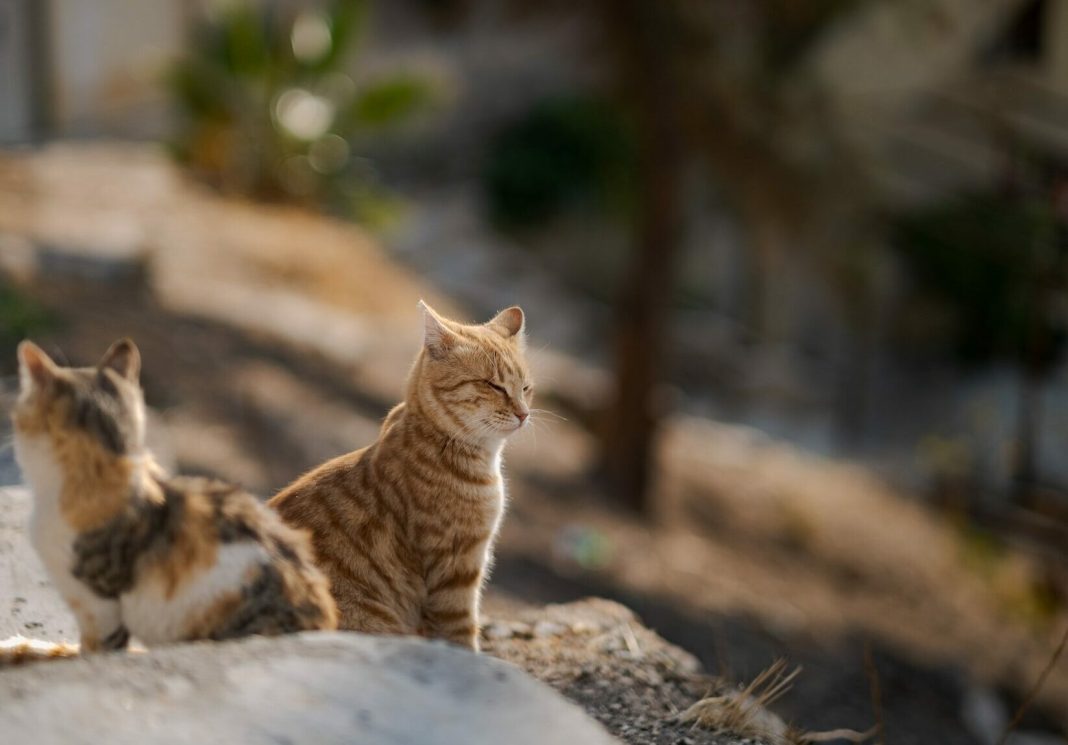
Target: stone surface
column 598, row 654
column 28, row 604
column 314, row 687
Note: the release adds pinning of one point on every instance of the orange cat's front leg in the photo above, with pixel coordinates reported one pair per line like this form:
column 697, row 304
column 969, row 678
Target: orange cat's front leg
column 451, row 608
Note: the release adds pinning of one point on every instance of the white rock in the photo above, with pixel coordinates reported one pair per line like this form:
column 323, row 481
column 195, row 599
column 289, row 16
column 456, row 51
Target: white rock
column 315, row 687
column 545, row 629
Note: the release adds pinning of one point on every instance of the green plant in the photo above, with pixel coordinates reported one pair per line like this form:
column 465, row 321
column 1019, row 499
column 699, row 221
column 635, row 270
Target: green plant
column 985, row 262
column 270, row 109
column 20, row 318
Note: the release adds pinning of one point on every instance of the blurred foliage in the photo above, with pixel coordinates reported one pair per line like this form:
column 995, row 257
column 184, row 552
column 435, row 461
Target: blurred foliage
column 584, row 545
column 20, row 317
column 270, row 108
column 988, row 262
column 1016, row 583
column 566, row 153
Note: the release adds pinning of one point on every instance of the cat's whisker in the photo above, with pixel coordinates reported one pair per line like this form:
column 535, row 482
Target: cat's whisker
column 534, row 423
column 532, row 428
column 548, row 412
column 541, row 424
column 537, row 424
column 540, row 421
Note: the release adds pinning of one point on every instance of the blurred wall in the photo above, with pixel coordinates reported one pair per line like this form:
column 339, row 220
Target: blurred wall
column 77, row 68
column 17, row 112
column 107, row 59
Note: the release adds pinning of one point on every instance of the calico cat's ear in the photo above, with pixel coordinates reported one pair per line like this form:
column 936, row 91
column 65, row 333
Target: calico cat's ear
column 437, row 338
column 510, row 322
column 124, row 358
column 35, row 367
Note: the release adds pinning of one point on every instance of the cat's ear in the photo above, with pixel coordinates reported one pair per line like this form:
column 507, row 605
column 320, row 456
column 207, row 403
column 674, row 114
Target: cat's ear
column 124, row 358
column 35, row 367
column 510, row 322
column 437, row 338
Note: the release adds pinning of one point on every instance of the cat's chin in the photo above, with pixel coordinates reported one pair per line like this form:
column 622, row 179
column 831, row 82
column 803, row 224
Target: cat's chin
column 507, row 432
column 496, row 438
column 509, row 428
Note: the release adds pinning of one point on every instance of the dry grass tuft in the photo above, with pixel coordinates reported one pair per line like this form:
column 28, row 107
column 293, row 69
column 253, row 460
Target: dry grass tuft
column 744, row 713
column 1035, row 689
column 876, row 692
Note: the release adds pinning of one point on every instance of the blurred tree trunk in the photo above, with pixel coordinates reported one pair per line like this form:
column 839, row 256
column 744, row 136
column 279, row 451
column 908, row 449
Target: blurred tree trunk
column 1034, row 366
column 768, row 234
column 641, row 36
column 1038, row 348
column 1028, row 419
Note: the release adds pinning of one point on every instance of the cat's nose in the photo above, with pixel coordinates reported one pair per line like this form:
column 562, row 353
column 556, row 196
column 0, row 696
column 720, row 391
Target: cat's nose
column 522, row 415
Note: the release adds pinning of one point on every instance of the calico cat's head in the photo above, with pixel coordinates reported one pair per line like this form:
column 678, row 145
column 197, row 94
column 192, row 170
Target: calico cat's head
column 89, row 415
column 473, row 378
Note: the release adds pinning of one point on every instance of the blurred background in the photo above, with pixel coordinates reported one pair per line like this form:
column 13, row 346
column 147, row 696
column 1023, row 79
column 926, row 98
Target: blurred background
column 795, row 273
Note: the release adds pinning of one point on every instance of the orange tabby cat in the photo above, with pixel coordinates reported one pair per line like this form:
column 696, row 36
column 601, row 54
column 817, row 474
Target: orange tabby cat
column 135, row 552
column 405, row 527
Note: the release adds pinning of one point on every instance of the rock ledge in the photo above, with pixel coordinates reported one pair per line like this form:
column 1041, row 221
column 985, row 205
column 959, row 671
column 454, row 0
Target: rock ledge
column 314, row 687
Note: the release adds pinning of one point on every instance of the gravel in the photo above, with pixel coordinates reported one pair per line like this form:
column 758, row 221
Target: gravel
column 598, row 655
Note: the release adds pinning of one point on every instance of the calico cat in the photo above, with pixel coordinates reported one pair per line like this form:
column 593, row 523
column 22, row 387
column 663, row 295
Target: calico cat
column 405, row 527
column 135, row 552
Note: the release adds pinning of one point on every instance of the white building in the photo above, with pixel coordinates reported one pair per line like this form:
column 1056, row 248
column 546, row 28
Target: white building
column 86, row 67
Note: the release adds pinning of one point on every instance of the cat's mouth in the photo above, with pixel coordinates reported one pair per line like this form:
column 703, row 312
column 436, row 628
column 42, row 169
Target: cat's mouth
column 504, row 429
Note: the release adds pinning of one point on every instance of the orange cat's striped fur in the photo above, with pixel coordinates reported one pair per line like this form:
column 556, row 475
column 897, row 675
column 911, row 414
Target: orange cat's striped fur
column 405, row 527
column 135, row 552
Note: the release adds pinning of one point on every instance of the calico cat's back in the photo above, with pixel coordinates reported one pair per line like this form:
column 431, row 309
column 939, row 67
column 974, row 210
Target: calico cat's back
column 211, row 563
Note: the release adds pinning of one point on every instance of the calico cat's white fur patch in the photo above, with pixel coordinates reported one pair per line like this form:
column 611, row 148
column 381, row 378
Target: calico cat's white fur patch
column 154, row 618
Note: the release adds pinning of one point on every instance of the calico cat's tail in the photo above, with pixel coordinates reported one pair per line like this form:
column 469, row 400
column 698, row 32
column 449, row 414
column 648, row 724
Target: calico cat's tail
column 18, row 650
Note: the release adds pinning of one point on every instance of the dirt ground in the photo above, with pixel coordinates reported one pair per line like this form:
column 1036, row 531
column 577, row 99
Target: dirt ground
column 598, row 654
